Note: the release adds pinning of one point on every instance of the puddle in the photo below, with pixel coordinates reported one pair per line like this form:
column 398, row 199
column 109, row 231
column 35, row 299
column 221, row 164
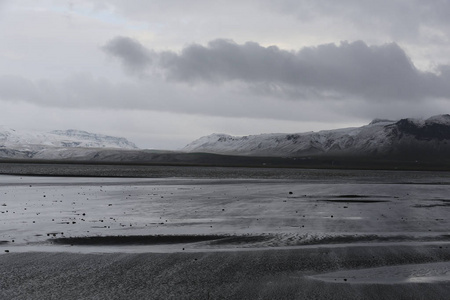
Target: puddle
column 139, row 240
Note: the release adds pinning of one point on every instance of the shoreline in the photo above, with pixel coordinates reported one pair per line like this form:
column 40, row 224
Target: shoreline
column 285, row 163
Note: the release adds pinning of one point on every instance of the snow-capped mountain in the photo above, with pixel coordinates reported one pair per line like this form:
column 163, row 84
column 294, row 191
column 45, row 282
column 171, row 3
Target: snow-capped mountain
column 27, row 144
column 380, row 137
column 78, row 138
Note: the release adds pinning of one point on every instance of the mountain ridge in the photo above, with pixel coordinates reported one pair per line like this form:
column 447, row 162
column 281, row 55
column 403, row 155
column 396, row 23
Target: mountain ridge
column 379, row 138
column 31, row 144
column 385, row 144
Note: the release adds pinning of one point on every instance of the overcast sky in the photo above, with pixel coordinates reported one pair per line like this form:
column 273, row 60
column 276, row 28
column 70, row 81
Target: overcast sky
column 165, row 72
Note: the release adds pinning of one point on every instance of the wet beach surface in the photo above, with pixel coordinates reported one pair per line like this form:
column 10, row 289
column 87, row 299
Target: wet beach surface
column 239, row 233
column 280, row 274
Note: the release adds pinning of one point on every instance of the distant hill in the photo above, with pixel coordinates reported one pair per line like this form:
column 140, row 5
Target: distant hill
column 26, row 144
column 408, row 144
column 406, row 138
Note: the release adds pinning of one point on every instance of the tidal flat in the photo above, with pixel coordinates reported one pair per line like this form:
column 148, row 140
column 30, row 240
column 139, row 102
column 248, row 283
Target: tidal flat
column 225, row 233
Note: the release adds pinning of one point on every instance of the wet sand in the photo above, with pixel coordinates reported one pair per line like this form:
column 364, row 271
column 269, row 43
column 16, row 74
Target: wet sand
column 276, row 274
column 341, row 237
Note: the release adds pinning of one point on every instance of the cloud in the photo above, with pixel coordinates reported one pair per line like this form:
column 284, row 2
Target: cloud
column 397, row 18
column 17, row 88
column 327, row 71
column 328, row 82
column 383, row 12
column 409, row 21
column 134, row 56
column 228, row 100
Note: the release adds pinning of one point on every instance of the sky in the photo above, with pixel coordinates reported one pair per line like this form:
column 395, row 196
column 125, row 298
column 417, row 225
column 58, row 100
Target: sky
column 163, row 73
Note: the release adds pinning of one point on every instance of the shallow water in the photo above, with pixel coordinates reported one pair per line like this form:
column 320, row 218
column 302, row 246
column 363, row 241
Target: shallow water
column 310, row 175
column 289, row 207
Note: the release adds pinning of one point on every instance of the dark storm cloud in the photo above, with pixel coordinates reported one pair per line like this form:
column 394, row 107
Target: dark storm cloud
column 133, row 55
column 349, row 69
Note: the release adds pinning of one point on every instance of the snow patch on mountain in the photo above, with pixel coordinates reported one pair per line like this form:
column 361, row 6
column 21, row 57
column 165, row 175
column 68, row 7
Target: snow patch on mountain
column 29, row 144
column 380, row 137
column 78, row 138
column 440, row 119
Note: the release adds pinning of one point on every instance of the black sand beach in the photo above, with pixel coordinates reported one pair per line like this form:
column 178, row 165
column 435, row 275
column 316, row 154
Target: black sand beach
column 311, row 235
column 268, row 274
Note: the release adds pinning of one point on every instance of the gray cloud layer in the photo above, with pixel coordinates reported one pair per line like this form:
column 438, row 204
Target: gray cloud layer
column 347, row 70
column 85, row 91
column 135, row 56
column 402, row 19
column 248, row 80
column 377, row 20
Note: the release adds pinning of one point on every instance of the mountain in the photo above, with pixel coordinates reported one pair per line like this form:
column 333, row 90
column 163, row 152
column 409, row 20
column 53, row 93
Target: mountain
column 406, row 138
column 409, row 144
column 50, row 145
column 77, row 138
